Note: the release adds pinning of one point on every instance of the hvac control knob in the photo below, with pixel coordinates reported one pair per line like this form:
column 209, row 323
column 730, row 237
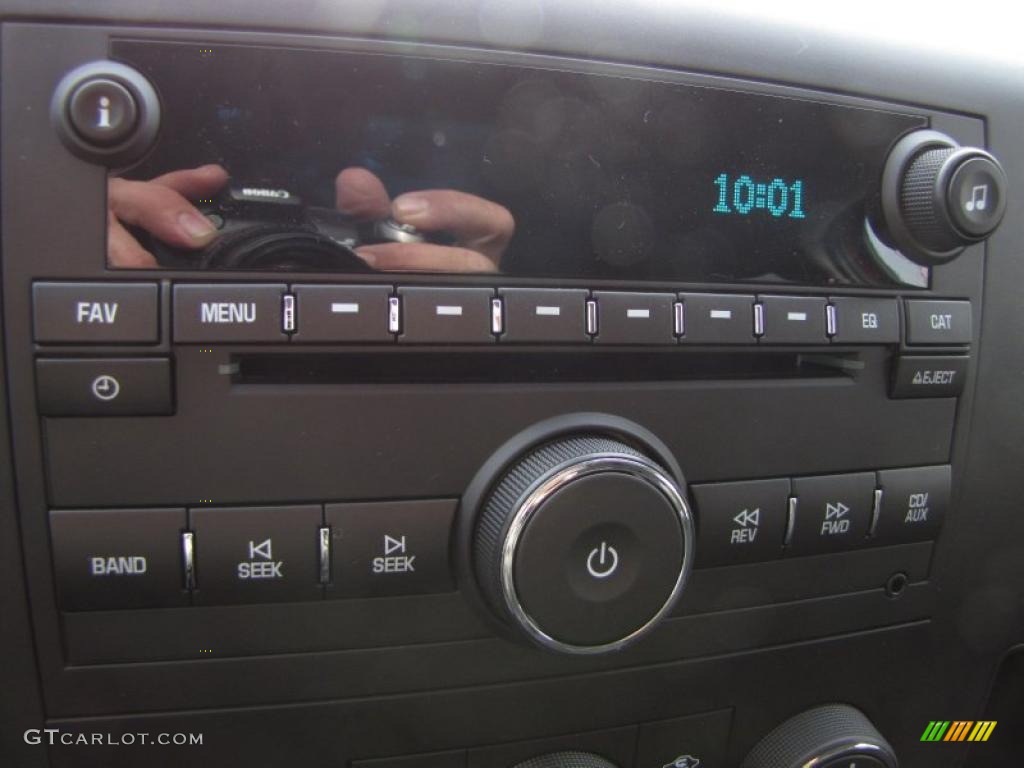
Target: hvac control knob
column 938, row 197
column 830, row 736
column 567, row 760
column 583, row 544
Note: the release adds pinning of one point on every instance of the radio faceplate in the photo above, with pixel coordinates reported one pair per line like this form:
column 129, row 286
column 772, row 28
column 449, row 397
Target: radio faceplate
column 307, row 418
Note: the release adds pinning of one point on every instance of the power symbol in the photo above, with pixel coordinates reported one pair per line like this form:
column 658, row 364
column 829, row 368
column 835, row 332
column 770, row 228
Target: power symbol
column 603, row 561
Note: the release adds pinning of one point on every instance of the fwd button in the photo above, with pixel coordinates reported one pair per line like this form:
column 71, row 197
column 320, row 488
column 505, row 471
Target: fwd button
column 832, row 512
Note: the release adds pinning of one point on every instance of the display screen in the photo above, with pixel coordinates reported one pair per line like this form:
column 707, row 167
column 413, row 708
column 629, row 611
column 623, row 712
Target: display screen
column 288, row 159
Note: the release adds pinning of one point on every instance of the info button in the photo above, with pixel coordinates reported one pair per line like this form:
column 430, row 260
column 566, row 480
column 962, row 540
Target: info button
column 228, row 313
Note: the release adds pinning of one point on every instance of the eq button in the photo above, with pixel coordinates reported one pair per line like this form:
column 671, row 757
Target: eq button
column 865, row 321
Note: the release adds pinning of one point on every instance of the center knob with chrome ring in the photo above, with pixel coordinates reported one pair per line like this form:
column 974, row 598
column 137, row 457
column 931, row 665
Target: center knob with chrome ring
column 583, row 544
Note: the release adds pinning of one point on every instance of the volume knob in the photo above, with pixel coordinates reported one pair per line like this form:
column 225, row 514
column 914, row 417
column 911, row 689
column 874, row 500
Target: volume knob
column 938, row 197
column 583, row 544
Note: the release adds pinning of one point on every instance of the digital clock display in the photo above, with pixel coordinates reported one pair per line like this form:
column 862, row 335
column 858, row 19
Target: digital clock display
column 778, row 198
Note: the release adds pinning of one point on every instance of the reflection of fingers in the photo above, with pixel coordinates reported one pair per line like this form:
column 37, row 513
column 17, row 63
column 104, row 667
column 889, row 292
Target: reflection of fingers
column 476, row 223
column 160, row 211
column 424, row 257
column 360, row 193
column 195, row 183
column 123, row 250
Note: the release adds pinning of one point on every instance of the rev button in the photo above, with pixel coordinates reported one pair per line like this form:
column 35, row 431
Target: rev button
column 95, row 313
column 239, row 313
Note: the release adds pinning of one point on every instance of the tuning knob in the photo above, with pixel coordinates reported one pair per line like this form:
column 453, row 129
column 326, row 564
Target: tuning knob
column 583, row 544
column 830, row 736
column 938, row 197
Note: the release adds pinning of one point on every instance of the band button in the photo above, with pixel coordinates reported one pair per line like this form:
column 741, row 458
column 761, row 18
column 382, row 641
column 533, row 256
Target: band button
column 118, row 558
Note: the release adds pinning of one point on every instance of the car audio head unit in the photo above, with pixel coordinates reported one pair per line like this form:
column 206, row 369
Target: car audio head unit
column 353, row 346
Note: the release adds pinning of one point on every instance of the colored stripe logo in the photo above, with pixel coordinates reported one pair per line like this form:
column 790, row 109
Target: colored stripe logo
column 958, row 730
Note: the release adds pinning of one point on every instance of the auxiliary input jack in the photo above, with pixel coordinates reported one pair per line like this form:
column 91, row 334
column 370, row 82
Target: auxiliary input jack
column 896, row 585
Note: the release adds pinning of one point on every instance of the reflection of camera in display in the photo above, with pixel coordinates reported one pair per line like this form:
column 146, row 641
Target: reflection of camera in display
column 265, row 228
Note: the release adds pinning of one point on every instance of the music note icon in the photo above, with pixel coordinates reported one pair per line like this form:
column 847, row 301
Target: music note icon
column 979, row 199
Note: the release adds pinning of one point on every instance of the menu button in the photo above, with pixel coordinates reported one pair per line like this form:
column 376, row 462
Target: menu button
column 239, row 313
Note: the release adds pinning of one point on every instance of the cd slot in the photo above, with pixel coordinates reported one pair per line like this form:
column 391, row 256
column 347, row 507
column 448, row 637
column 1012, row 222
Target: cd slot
column 427, row 367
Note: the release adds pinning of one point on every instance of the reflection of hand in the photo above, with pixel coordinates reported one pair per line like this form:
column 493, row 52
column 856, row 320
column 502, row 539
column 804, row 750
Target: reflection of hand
column 482, row 229
column 160, row 207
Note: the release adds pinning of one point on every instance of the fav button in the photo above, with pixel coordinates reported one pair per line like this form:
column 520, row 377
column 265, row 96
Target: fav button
column 390, row 548
column 256, row 554
column 740, row 522
column 914, row 503
column 95, row 313
column 833, row 512
column 239, row 313
column 118, row 558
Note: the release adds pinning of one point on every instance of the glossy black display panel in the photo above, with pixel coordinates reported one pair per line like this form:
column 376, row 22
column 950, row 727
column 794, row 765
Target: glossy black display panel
column 349, row 162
